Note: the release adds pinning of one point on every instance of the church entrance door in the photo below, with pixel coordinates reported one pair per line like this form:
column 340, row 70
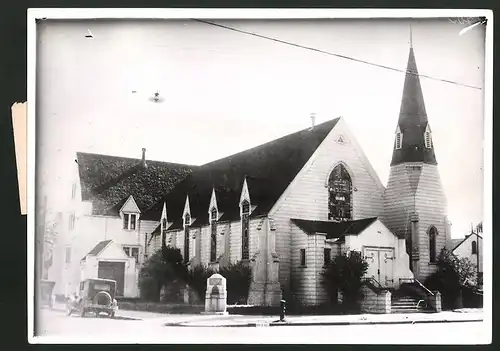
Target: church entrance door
column 380, row 265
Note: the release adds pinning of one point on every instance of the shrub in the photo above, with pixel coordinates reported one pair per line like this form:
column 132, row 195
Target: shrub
column 164, row 267
column 197, row 279
column 238, row 278
column 344, row 273
column 452, row 276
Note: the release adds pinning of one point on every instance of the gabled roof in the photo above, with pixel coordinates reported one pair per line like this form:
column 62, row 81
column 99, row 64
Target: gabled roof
column 457, row 242
column 96, row 250
column 413, row 120
column 334, row 230
column 268, row 168
column 108, row 181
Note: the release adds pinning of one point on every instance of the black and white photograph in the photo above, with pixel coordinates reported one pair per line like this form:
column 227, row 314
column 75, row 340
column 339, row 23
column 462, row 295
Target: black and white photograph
column 310, row 176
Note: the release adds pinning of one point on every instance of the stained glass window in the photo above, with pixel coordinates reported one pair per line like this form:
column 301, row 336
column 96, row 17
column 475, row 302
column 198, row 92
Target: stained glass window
column 432, row 244
column 339, row 194
column 213, row 235
column 187, row 222
column 245, row 212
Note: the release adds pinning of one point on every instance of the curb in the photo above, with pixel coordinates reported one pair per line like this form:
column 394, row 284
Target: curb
column 302, row 324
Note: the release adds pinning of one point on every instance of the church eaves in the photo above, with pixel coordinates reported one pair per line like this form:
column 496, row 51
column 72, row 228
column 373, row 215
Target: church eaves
column 413, row 120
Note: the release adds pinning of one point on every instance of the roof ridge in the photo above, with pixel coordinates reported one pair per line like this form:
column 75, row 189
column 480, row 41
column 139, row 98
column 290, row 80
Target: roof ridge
column 267, row 143
column 134, row 159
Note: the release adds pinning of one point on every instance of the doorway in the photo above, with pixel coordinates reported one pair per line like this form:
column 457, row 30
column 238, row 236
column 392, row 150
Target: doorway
column 380, row 265
column 114, row 271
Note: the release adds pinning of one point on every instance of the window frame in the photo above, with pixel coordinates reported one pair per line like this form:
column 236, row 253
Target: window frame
column 340, row 185
column 213, row 234
column 327, row 256
column 245, row 229
column 73, row 191
column 128, row 223
column 187, row 225
column 398, row 141
column 128, row 249
column 302, row 258
column 432, row 233
column 474, row 247
column 67, row 254
column 428, row 140
column 71, row 223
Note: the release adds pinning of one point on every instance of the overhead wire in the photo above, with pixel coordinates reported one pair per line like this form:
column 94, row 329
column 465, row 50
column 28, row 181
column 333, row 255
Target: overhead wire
column 334, row 54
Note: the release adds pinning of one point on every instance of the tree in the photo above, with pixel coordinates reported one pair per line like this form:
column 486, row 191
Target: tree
column 238, row 279
column 162, row 268
column 344, row 273
column 50, row 233
column 453, row 274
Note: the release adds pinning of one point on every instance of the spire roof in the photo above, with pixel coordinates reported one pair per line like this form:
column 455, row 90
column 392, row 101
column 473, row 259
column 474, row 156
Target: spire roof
column 413, row 119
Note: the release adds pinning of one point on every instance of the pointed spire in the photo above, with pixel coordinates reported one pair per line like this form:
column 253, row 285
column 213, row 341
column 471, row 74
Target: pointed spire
column 411, row 38
column 412, row 119
column 164, row 211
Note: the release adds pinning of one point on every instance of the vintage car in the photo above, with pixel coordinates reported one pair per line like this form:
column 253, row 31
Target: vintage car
column 96, row 295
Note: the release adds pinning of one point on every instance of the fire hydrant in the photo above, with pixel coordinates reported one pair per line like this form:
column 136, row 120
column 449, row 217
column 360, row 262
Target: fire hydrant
column 283, row 309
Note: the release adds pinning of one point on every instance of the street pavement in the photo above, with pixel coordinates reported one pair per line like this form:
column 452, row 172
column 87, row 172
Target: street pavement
column 146, row 327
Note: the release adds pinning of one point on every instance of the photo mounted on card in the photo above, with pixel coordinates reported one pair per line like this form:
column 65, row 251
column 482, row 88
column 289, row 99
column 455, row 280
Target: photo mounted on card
column 324, row 172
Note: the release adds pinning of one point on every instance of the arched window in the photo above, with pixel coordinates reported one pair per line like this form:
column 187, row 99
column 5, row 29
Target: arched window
column 213, row 234
column 245, row 212
column 474, row 247
column 187, row 223
column 339, row 194
column 432, row 244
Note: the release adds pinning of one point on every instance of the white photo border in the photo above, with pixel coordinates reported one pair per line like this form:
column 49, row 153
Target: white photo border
column 35, row 14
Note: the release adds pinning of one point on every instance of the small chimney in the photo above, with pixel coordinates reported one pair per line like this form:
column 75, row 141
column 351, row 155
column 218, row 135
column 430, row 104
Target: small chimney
column 143, row 160
column 313, row 120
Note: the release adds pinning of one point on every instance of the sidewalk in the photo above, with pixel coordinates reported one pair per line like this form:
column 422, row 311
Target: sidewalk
column 198, row 320
column 256, row 321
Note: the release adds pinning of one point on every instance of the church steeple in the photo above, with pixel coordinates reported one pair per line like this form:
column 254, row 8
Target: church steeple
column 413, row 138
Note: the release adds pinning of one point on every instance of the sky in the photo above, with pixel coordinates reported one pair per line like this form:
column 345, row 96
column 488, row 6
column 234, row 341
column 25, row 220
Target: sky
column 226, row 92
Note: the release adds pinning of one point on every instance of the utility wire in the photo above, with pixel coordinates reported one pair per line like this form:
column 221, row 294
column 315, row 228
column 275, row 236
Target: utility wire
column 333, row 54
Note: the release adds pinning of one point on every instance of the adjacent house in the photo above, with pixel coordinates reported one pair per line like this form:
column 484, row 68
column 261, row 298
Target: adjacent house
column 471, row 247
column 108, row 198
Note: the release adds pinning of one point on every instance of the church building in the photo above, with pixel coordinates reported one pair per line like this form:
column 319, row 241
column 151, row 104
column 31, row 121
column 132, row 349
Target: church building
column 289, row 206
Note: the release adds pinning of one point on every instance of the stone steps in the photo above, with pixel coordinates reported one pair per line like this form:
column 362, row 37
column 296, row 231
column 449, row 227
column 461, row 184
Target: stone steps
column 407, row 304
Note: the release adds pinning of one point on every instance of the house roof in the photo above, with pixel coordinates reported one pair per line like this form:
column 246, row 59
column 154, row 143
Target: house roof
column 334, row 230
column 96, row 250
column 413, row 120
column 268, row 168
column 108, row 181
column 457, row 242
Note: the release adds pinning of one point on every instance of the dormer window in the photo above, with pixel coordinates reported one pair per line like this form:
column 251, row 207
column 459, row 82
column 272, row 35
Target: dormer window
column 213, row 234
column 428, row 137
column 130, row 214
column 428, row 140
column 187, row 223
column 245, row 229
column 129, row 221
column 73, row 191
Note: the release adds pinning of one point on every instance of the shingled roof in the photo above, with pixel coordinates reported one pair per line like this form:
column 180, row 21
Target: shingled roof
column 107, row 181
column 268, row 168
column 96, row 250
column 334, row 230
column 413, row 120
